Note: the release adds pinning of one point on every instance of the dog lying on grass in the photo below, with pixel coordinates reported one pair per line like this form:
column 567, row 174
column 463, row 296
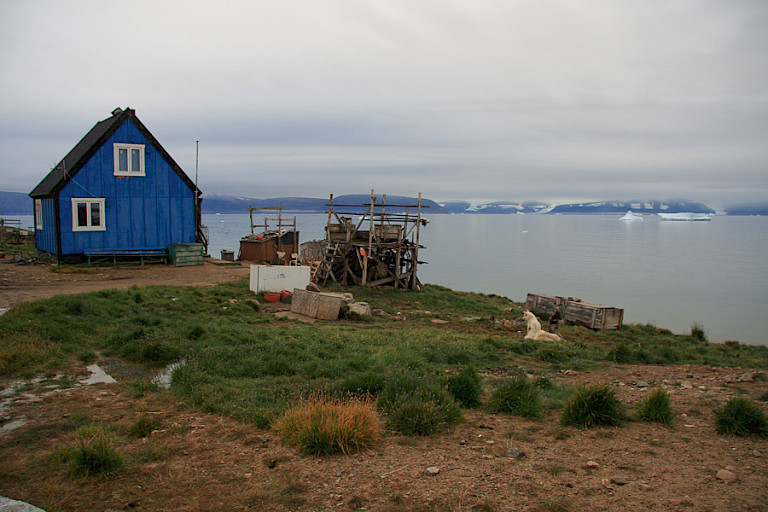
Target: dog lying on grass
column 534, row 329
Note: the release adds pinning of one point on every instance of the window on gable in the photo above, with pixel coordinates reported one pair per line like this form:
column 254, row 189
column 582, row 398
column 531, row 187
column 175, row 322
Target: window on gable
column 129, row 159
column 88, row 214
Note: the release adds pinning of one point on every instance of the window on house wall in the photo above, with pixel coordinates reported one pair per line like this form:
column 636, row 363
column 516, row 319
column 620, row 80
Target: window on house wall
column 38, row 214
column 129, row 159
column 88, row 214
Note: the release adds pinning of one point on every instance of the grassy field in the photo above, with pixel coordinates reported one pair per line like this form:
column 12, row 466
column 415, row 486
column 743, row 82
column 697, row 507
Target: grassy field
column 244, row 363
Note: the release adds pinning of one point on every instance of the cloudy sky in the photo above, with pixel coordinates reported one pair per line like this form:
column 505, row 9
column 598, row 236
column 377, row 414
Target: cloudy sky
column 484, row 100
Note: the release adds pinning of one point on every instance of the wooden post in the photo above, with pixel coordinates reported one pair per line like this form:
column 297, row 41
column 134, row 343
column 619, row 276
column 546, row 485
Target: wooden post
column 370, row 239
column 328, row 224
column 414, row 279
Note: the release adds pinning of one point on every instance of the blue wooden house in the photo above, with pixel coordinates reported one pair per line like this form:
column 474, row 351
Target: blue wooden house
column 117, row 192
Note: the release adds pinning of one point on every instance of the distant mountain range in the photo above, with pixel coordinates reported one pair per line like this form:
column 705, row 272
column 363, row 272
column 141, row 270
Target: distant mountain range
column 18, row 203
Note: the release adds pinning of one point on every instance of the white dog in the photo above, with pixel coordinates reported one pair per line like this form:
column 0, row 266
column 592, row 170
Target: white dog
column 534, row 329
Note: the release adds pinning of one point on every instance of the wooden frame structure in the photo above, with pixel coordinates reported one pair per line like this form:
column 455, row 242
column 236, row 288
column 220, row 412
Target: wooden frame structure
column 384, row 254
column 276, row 246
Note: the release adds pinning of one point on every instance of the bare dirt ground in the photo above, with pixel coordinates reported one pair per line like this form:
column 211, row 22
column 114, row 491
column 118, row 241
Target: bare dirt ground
column 203, row 462
column 23, row 283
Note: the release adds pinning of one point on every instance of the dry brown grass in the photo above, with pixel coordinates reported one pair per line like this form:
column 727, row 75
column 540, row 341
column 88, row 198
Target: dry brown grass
column 323, row 425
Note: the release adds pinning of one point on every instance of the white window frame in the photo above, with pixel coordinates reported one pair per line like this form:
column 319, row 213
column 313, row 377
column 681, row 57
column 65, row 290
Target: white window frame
column 88, row 201
column 39, row 214
column 129, row 148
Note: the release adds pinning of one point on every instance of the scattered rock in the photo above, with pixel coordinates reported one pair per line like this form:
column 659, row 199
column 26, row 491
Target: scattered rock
column 312, row 287
column 432, row 470
column 515, row 453
column 642, row 384
column 726, row 476
column 619, row 480
column 9, row 505
column 438, row 321
column 591, row 465
column 359, row 309
column 747, row 377
column 379, row 312
column 686, row 385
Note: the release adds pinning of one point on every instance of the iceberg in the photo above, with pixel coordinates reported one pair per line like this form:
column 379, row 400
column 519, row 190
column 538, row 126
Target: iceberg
column 685, row 216
column 631, row 216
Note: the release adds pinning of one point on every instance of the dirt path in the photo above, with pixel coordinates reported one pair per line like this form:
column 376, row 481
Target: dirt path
column 23, row 283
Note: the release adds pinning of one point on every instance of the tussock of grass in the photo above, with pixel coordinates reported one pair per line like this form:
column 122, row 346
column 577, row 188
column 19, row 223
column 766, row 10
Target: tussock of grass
column 741, row 417
column 95, row 454
column 416, row 406
column 593, row 406
column 144, row 425
column 325, row 426
column 656, row 407
column 518, row 396
column 466, row 387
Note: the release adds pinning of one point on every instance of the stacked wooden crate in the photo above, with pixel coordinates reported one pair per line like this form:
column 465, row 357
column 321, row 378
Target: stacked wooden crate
column 182, row 255
column 594, row 316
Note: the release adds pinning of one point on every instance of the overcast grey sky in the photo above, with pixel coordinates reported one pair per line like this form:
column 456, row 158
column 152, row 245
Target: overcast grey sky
column 485, row 100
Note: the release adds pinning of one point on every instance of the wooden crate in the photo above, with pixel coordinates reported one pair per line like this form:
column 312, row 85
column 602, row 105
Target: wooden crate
column 316, row 305
column 594, row 316
column 182, row 255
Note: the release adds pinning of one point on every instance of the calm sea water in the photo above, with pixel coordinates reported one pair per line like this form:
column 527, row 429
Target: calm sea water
column 670, row 274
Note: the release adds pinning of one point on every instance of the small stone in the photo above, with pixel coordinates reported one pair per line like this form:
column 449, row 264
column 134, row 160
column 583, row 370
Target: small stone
column 515, row 453
column 726, row 476
column 673, row 377
column 432, row 470
column 747, row 377
column 642, row 384
column 686, row 385
column 619, row 480
column 359, row 309
column 591, row 465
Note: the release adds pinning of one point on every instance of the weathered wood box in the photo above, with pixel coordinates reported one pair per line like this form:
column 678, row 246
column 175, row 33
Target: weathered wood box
column 594, row 316
column 325, row 306
column 182, row 255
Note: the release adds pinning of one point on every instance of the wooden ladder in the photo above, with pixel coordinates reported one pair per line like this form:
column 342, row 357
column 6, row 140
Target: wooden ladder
column 322, row 269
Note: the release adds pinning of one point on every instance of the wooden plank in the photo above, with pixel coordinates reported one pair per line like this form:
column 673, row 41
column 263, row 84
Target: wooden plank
column 315, row 305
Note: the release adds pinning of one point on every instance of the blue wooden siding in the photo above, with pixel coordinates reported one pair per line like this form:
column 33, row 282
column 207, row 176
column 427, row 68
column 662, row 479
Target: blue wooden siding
column 45, row 239
column 155, row 210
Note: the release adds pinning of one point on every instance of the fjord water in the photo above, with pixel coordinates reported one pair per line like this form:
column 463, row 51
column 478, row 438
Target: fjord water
column 670, row 274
